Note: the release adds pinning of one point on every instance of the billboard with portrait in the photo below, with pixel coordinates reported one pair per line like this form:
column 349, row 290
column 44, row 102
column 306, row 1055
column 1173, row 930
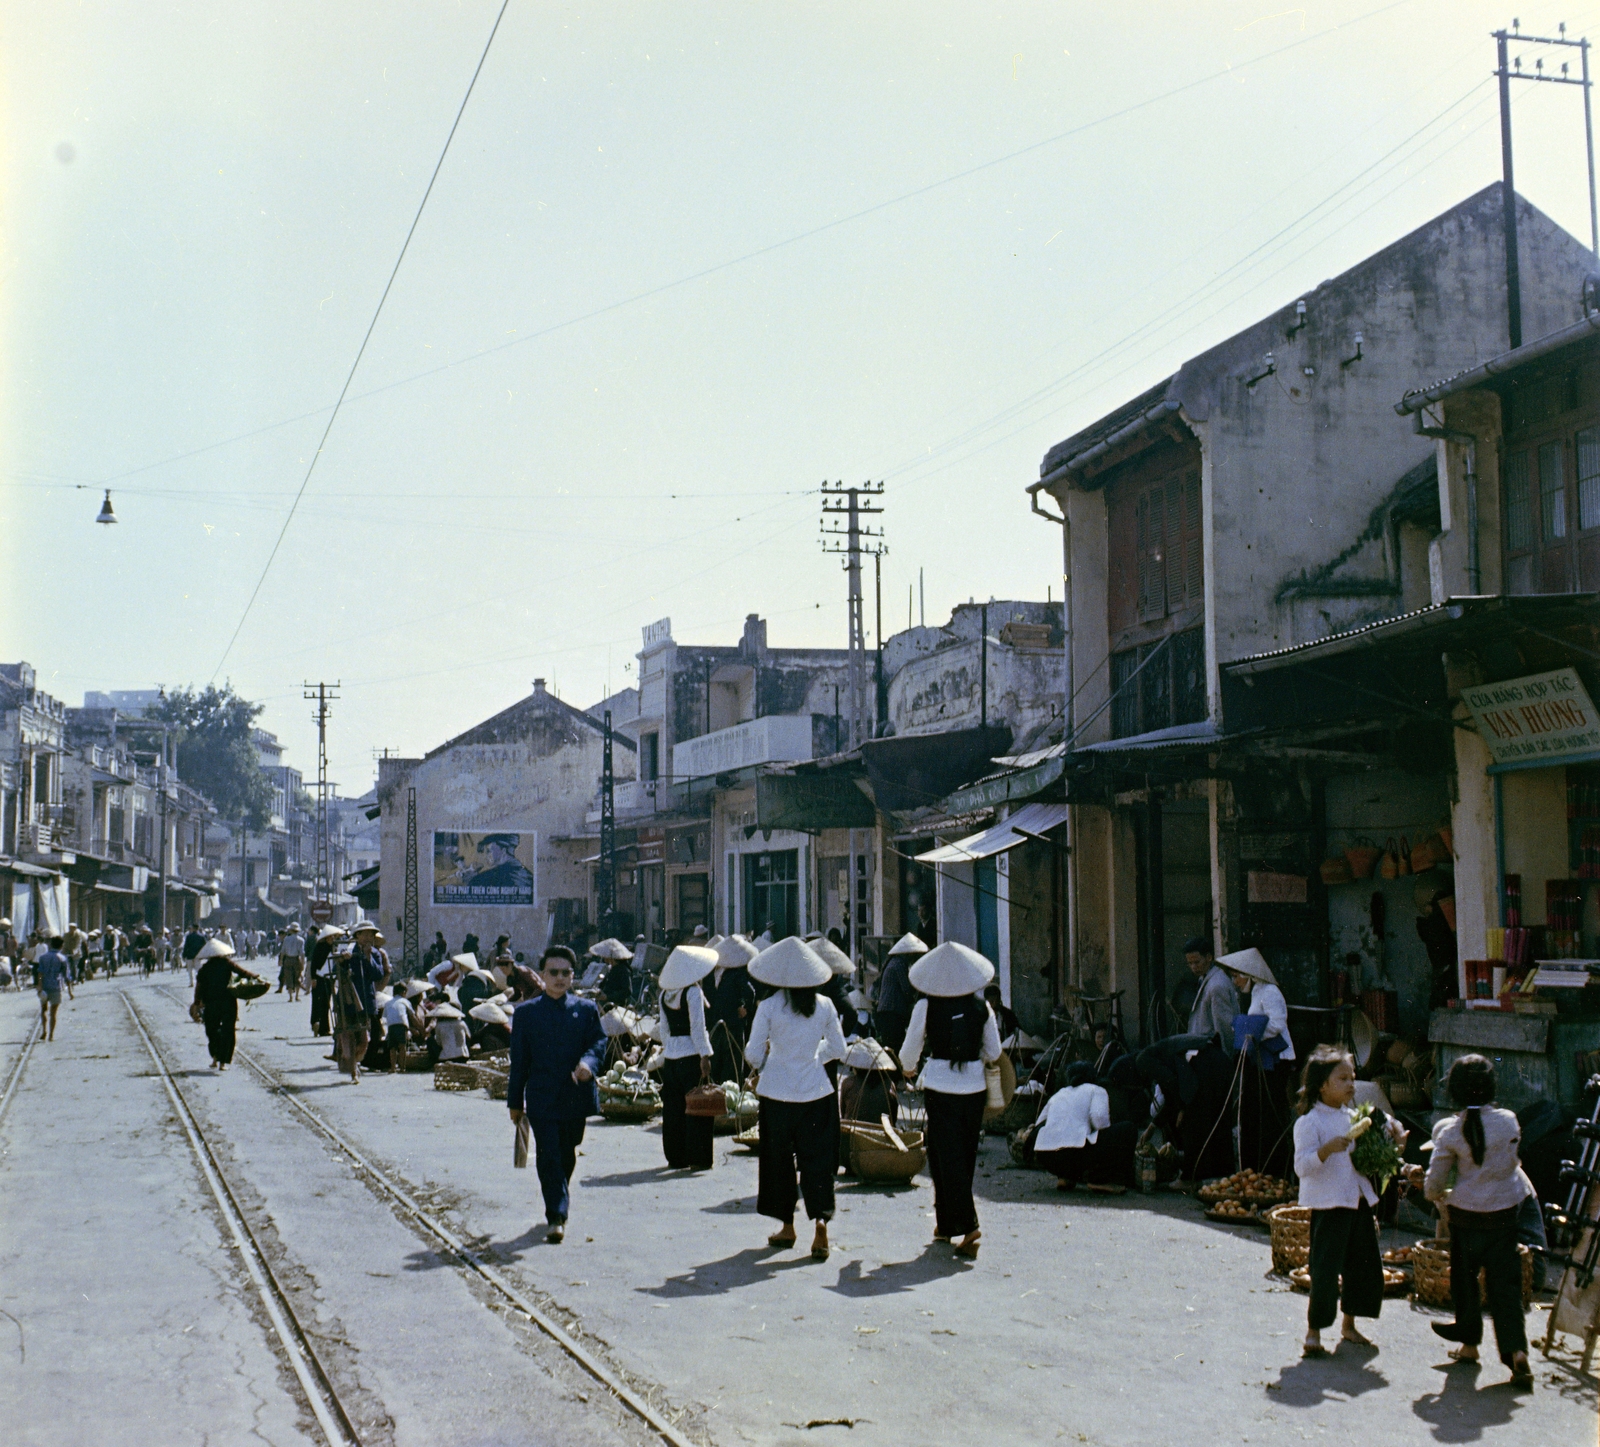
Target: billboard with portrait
column 482, row 869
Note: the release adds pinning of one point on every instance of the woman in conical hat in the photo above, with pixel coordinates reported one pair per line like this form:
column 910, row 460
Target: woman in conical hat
column 685, row 1138
column 1264, row 1110
column 730, row 1006
column 955, row 1026
column 795, row 1035
column 892, row 1008
column 215, row 1004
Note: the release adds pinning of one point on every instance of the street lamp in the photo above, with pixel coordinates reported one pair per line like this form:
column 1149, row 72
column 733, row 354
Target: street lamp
column 106, row 513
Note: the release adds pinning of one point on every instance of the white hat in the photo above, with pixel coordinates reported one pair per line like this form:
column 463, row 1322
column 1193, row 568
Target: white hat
column 951, row 969
column 498, row 975
column 445, row 1012
column 734, row 952
column 838, row 961
column 364, row 926
column 611, row 949
column 215, row 949
column 790, row 964
column 489, row 1014
column 413, row 988
column 714, row 941
column 5, row 924
column 294, row 924
column 1248, row 962
column 484, row 975
column 329, row 932
column 685, row 965
column 868, row 1055
column 909, row 944
column 858, row 999
column 380, row 998
column 467, row 961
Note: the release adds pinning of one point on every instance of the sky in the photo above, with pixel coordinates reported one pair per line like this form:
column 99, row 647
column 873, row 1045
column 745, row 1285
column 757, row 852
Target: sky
column 681, row 264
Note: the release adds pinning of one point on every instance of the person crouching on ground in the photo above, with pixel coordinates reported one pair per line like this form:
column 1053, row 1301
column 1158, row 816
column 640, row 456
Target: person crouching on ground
column 1345, row 1266
column 49, row 970
column 685, row 1138
column 1478, row 1150
column 557, row 1047
column 795, row 1034
column 958, row 1029
column 1077, row 1141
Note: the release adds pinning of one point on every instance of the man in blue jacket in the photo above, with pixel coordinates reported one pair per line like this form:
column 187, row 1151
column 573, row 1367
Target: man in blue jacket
column 557, row 1047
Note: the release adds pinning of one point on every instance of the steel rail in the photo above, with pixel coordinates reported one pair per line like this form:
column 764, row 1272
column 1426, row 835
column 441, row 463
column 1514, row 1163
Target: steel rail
column 559, row 1334
column 17, row 1068
column 314, row 1382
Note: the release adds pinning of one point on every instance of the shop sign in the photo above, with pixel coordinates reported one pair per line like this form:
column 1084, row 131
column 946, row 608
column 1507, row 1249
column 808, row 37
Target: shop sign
column 1263, row 886
column 1546, row 716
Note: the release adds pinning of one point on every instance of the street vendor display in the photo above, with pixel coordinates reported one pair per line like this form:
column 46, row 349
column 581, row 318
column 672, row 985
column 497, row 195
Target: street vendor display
column 796, row 1032
column 957, row 1028
column 628, row 1093
column 686, row 1047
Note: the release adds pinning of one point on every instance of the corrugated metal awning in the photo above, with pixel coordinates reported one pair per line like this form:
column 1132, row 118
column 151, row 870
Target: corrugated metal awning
column 1030, row 819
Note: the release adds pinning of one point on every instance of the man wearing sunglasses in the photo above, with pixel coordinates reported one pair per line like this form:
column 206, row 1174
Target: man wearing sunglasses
column 557, row 1047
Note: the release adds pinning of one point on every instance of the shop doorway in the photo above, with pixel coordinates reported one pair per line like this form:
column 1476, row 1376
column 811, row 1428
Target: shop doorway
column 772, row 892
column 694, row 902
column 1173, row 839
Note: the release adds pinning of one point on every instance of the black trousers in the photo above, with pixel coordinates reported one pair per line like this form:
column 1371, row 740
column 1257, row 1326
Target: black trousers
column 221, row 1034
column 892, row 1027
column 801, row 1134
column 1345, row 1266
column 1487, row 1240
column 955, row 1127
column 685, row 1139
column 555, row 1145
column 727, row 1049
column 1265, row 1128
column 321, row 996
column 1107, row 1161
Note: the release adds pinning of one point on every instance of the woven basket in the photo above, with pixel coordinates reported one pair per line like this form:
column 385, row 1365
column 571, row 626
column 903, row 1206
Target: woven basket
column 631, row 1111
column 1291, row 1237
column 455, row 1075
column 735, row 1121
column 874, row 1159
column 1430, row 1267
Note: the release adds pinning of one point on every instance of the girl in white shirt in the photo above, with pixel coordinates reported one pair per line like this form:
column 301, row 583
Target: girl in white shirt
column 795, row 1034
column 1345, row 1266
column 1075, row 1138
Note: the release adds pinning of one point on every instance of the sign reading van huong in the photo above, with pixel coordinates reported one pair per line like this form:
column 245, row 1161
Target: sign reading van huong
column 1546, row 716
column 490, row 868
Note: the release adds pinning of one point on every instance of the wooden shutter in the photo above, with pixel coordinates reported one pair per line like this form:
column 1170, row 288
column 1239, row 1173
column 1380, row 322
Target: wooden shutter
column 1150, row 540
column 1173, row 552
column 1193, row 540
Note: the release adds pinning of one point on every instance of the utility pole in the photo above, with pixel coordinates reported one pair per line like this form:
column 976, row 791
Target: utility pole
column 1508, row 69
column 322, row 694
column 605, row 879
column 851, row 504
column 408, row 926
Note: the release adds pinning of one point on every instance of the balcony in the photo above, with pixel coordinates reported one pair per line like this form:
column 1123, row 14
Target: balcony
column 776, row 739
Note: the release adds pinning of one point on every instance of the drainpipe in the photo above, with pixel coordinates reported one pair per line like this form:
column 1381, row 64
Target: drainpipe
column 1470, row 441
column 1070, row 716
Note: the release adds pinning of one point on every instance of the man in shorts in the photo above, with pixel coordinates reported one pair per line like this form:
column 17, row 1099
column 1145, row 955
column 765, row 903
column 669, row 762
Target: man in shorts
column 50, row 971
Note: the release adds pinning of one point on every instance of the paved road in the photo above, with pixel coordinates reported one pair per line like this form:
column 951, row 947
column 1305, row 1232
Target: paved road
column 1122, row 1323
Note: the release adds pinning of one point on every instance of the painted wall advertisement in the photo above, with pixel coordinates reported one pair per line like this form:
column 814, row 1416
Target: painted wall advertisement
column 1546, row 716
column 484, row 869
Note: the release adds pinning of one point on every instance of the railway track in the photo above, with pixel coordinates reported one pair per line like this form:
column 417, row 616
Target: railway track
column 315, row 1383
column 428, row 1226
column 18, row 1066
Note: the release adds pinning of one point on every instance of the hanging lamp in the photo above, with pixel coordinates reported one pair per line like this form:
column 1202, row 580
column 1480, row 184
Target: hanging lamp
column 106, row 513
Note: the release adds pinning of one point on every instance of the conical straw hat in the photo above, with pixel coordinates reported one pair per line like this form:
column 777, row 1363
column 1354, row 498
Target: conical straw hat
column 908, row 944
column 868, row 1055
column 951, row 969
column 1249, row 962
column 685, row 965
column 489, row 1014
column 838, row 961
column 611, row 949
column 790, row 964
column 215, row 949
column 734, row 952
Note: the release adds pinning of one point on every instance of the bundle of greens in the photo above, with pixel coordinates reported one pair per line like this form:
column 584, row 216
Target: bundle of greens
column 1374, row 1155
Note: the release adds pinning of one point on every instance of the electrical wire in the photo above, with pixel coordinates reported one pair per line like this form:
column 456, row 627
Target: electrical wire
column 361, row 350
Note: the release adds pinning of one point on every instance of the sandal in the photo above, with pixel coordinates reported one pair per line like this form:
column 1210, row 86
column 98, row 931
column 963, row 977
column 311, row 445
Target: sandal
column 1459, row 1354
column 1522, row 1375
column 782, row 1239
column 1313, row 1349
column 968, row 1245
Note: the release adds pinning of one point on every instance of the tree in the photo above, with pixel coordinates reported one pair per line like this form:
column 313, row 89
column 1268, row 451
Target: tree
column 217, row 751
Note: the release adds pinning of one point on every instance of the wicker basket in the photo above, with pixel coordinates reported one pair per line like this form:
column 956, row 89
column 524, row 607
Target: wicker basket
column 1430, row 1266
column 455, row 1075
column 631, row 1111
column 1291, row 1237
column 735, row 1122
column 874, row 1159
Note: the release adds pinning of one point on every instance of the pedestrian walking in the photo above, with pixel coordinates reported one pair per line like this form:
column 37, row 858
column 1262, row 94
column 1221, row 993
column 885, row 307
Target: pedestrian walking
column 730, row 1006
column 320, row 969
column 193, row 942
column 357, row 975
column 1476, row 1178
column 50, row 969
column 956, row 1029
column 291, row 960
column 11, row 953
column 215, row 1005
column 1345, row 1266
column 685, row 1138
column 795, row 1034
column 892, row 1012
column 557, row 1047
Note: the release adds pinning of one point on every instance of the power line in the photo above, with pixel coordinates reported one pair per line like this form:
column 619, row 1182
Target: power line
column 361, row 350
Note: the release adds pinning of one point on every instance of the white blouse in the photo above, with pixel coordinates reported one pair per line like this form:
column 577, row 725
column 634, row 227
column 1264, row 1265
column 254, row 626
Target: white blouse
column 1073, row 1117
column 1325, row 1185
column 696, row 1042
column 1455, row 1178
column 790, row 1049
column 944, row 1075
column 1268, row 1000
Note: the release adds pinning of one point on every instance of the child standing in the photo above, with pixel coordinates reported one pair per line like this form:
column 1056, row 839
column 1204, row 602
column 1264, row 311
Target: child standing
column 1345, row 1266
column 1476, row 1176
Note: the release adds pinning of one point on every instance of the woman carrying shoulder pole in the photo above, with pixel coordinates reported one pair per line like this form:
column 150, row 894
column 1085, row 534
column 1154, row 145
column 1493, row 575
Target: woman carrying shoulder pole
column 685, row 1138
column 795, row 1034
column 1476, row 1176
column 955, row 1025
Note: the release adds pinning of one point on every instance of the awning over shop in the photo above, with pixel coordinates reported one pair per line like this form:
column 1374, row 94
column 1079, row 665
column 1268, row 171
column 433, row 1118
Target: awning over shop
column 277, row 909
column 1028, row 820
column 916, row 771
column 819, row 799
column 27, row 871
column 1005, row 788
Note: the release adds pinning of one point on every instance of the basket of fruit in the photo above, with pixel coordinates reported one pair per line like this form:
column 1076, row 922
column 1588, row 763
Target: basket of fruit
column 1253, row 1186
column 743, row 1110
column 628, row 1094
column 1395, row 1283
column 1235, row 1213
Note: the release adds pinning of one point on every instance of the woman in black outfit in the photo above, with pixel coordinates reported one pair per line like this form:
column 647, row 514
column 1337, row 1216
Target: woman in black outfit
column 215, row 1005
column 685, row 1138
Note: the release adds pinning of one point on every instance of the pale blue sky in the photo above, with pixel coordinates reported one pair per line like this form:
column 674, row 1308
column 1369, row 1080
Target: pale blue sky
column 241, row 177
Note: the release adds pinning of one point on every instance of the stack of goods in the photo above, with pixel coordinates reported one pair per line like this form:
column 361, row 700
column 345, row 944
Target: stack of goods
column 459, row 1076
column 1234, row 1197
column 1563, row 915
column 743, row 1109
column 628, row 1093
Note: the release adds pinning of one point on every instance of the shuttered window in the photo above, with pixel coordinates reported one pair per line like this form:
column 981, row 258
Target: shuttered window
column 1168, row 548
column 1588, row 450
column 1552, row 492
